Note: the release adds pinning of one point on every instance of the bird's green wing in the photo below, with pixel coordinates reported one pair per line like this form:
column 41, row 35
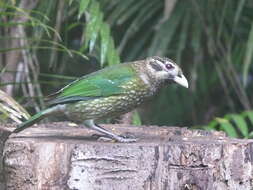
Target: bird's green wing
column 105, row 82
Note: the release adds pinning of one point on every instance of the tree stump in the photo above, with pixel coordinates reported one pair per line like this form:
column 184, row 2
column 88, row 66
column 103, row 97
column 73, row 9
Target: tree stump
column 58, row 156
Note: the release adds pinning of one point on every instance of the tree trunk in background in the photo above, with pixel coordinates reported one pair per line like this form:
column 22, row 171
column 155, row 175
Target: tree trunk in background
column 11, row 59
column 60, row 156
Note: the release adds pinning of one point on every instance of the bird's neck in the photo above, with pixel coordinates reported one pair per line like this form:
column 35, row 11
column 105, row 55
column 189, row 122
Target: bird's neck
column 147, row 77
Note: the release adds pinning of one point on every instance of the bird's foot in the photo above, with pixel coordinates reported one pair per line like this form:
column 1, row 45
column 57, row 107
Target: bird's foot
column 128, row 135
column 126, row 139
column 108, row 134
column 122, row 139
column 102, row 138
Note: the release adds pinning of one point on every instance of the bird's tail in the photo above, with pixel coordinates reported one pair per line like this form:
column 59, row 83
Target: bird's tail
column 34, row 119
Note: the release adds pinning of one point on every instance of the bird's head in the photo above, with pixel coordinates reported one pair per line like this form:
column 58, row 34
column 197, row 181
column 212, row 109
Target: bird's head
column 164, row 69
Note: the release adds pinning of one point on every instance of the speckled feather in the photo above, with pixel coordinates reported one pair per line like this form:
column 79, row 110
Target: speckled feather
column 132, row 91
column 136, row 92
column 110, row 92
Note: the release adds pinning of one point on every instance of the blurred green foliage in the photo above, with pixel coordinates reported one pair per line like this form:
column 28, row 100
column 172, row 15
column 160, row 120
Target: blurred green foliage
column 212, row 40
column 235, row 125
column 10, row 109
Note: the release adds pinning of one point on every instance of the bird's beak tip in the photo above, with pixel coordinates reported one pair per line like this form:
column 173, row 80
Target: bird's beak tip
column 181, row 80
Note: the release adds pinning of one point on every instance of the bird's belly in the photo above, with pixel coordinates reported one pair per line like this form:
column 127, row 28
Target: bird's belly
column 103, row 107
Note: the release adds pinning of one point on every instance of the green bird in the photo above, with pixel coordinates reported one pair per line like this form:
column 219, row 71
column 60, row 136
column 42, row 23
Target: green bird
column 110, row 92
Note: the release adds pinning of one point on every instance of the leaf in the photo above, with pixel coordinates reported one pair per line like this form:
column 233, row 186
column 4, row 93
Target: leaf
column 90, row 27
column 239, row 9
column 138, row 6
column 227, row 127
column 96, row 27
column 248, row 56
column 56, row 76
column 251, row 135
column 70, row 2
column 112, row 57
column 120, row 10
column 10, row 108
column 207, row 127
column 145, row 13
column 82, row 7
column 196, row 36
column 138, row 47
column 240, row 123
column 213, row 124
column 183, row 38
column 167, row 31
column 136, row 118
column 73, row 25
column 249, row 115
column 105, row 39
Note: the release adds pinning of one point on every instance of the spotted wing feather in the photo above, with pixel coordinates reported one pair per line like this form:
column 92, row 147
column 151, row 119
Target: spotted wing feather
column 103, row 83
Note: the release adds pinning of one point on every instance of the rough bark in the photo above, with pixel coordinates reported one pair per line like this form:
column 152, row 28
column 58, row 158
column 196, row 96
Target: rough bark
column 4, row 134
column 60, row 156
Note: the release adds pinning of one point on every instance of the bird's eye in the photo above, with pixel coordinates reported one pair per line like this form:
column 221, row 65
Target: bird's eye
column 169, row 66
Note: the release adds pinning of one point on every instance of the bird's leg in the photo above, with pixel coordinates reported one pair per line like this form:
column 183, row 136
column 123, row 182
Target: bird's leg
column 90, row 124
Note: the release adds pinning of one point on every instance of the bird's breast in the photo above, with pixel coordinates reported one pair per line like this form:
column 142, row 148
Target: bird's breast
column 135, row 93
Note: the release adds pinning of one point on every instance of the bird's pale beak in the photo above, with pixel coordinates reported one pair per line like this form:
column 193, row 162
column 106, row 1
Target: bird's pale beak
column 181, row 80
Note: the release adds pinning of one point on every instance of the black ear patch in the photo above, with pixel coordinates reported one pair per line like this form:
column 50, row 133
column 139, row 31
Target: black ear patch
column 156, row 66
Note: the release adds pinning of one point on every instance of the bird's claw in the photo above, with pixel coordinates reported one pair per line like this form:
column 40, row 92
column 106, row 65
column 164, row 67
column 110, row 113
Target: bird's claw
column 122, row 139
column 128, row 136
column 125, row 139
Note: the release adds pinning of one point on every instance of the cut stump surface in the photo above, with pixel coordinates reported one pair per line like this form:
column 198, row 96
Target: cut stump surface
column 59, row 156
